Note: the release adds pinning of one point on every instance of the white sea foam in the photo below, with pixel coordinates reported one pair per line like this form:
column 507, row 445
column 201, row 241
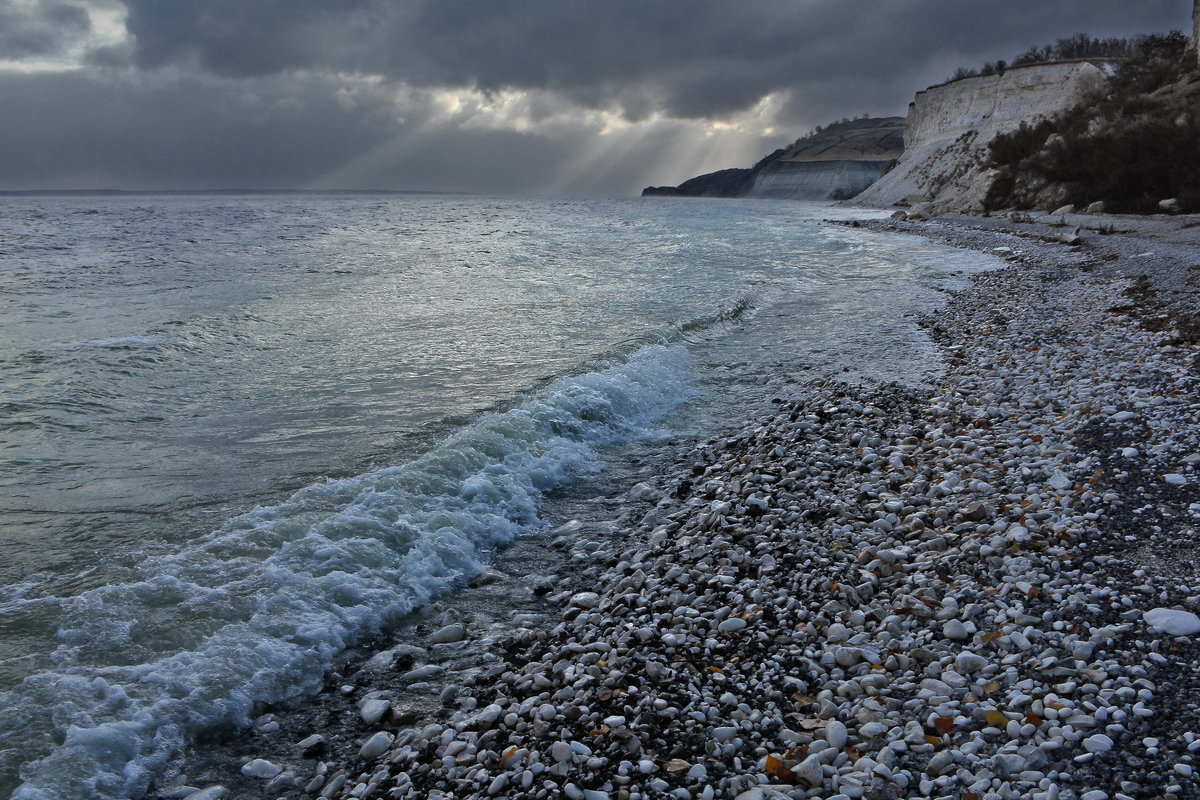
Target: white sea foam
column 256, row 611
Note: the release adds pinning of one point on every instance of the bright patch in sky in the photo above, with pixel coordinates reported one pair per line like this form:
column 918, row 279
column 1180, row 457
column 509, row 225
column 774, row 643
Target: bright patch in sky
column 521, row 96
column 104, row 28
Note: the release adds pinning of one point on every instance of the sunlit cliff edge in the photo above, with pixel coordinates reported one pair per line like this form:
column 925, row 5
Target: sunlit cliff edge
column 950, row 126
column 934, row 155
column 836, row 162
column 1118, row 133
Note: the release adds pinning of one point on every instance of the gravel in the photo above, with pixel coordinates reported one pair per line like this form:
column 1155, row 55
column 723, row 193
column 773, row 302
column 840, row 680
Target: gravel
column 986, row 589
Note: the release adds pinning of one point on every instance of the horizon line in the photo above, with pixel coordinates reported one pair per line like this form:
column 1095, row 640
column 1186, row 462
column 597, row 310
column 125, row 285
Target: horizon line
column 96, row 192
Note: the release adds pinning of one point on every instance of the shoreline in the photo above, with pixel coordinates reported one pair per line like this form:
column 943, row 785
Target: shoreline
column 827, row 592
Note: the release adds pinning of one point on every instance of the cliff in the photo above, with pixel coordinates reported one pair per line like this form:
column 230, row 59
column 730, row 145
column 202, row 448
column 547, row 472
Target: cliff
column 836, row 164
column 949, row 127
column 816, row 180
column 831, row 164
column 1134, row 150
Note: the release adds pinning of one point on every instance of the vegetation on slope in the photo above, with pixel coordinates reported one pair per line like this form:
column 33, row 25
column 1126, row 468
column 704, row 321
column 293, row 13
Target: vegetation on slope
column 1133, row 147
column 1071, row 48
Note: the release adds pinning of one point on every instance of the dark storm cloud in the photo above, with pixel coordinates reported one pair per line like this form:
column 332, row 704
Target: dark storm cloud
column 690, row 58
column 350, row 93
column 66, row 130
column 43, row 28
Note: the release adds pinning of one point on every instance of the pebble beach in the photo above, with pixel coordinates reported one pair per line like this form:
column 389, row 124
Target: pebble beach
column 984, row 588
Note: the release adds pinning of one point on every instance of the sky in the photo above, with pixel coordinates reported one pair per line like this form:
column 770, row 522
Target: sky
column 573, row 97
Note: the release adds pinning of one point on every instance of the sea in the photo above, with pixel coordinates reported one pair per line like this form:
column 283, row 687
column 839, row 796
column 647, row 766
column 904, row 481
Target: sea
column 240, row 434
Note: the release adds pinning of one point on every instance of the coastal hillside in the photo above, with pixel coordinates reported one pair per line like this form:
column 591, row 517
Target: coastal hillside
column 951, row 125
column 832, row 163
column 1118, row 132
column 836, row 164
column 1108, row 124
column 1135, row 147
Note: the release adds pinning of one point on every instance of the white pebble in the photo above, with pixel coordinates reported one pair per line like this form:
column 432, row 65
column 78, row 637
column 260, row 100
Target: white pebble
column 260, row 768
column 560, row 751
column 376, row 746
column 449, row 634
column 372, row 711
column 955, row 630
column 836, row 734
column 1173, row 621
column 968, row 663
column 208, row 793
column 724, row 733
column 585, row 600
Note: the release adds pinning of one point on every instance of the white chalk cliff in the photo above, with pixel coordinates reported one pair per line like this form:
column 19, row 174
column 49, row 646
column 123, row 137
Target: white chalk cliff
column 949, row 127
column 829, row 164
column 835, row 164
column 817, row 180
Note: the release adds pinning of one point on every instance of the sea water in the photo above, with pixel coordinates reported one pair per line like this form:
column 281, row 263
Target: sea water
column 242, row 433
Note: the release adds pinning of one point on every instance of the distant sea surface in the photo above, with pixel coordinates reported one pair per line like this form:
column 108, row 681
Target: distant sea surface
column 239, row 434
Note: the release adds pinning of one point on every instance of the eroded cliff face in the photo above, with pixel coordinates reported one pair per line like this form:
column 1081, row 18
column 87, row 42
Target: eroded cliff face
column 834, row 164
column 949, row 128
column 816, row 180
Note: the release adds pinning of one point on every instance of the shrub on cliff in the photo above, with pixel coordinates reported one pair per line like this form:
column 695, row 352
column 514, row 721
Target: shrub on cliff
column 1135, row 146
column 1081, row 45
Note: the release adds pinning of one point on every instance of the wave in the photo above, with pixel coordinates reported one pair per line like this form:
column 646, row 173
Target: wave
column 731, row 314
column 115, row 341
column 679, row 332
column 256, row 611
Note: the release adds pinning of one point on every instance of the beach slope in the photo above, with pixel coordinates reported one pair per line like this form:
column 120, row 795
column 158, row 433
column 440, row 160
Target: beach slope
column 987, row 588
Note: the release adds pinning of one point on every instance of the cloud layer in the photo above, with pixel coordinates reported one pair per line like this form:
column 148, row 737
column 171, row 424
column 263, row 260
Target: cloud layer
column 475, row 95
column 40, row 29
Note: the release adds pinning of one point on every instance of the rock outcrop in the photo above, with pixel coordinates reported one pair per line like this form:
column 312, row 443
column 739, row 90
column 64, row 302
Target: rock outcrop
column 836, row 164
column 816, row 180
column 950, row 125
column 833, row 164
